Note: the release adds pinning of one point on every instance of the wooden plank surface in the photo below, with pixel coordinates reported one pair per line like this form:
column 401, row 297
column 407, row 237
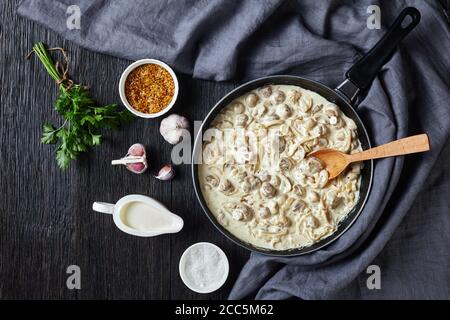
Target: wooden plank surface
column 46, row 221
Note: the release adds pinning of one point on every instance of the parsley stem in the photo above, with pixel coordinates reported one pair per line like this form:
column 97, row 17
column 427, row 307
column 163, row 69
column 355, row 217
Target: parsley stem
column 47, row 61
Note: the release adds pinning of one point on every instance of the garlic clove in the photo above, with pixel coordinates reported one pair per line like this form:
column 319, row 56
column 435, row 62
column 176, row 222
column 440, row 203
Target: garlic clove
column 137, row 167
column 166, row 173
column 136, row 149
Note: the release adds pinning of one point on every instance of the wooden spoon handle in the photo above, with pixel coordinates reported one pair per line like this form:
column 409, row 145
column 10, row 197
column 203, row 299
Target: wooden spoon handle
column 413, row 144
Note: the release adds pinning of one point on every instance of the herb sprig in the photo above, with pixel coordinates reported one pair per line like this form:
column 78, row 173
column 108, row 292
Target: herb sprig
column 83, row 117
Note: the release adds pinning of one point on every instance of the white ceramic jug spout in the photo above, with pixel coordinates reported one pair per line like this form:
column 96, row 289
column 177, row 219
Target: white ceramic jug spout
column 177, row 223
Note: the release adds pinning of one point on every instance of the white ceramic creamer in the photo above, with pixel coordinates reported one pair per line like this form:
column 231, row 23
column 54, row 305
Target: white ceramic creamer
column 141, row 216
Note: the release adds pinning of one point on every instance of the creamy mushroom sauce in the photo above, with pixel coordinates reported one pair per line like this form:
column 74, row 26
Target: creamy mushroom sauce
column 264, row 190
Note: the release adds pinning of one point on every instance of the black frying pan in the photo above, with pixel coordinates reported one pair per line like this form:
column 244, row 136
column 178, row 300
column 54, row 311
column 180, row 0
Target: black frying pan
column 358, row 78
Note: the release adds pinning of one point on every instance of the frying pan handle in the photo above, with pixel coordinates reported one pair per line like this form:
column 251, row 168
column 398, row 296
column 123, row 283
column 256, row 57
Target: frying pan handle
column 362, row 73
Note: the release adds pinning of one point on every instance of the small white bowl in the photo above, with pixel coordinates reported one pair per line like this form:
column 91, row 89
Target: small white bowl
column 122, row 87
column 193, row 286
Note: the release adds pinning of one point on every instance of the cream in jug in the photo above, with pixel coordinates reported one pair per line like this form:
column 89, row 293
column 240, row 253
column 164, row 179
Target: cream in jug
column 141, row 216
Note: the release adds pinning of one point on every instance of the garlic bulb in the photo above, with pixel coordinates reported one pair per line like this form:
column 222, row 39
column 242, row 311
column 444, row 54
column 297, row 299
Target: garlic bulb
column 135, row 160
column 172, row 128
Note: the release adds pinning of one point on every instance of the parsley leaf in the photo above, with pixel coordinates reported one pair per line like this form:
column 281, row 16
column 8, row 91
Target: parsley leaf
column 84, row 117
column 49, row 134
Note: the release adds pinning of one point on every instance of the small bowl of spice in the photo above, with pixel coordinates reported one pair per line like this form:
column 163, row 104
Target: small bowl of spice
column 148, row 88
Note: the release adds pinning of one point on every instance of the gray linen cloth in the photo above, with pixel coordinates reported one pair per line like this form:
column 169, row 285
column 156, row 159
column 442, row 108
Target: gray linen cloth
column 408, row 211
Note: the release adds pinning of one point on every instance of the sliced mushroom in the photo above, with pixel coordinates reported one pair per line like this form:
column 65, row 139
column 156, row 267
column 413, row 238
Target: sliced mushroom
column 285, row 185
column 252, row 99
column 281, row 221
column 331, row 110
column 267, row 190
column 238, row 107
column 294, row 96
column 263, row 212
column 344, row 144
column 221, row 217
column 285, row 164
column 242, row 212
column 322, row 179
column 340, row 135
column 314, row 165
column 298, row 206
column 212, row 180
column 237, row 172
column 229, row 206
column 225, row 124
column 266, row 91
column 241, row 120
column 251, row 183
column 279, row 96
column 316, row 108
column 298, row 190
column 311, row 180
column 207, row 187
column 226, row 187
column 281, row 141
column 211, row 152
column 268, row 104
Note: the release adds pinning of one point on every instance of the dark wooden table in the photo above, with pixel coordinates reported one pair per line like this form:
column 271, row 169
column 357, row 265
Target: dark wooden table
column 46, row 221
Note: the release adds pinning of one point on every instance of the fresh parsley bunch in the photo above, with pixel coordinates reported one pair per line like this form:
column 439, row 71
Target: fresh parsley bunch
column 84, row 117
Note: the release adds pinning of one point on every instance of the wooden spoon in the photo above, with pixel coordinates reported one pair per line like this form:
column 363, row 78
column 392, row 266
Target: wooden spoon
column 335, row 161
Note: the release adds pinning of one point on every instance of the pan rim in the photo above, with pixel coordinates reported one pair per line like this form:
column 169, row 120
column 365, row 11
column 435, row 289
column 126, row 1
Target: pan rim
column 270, row 252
